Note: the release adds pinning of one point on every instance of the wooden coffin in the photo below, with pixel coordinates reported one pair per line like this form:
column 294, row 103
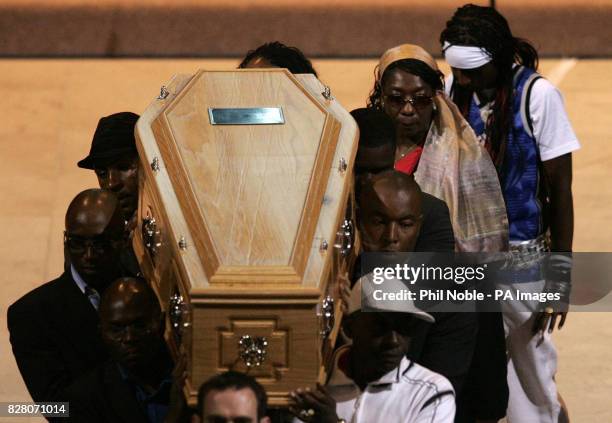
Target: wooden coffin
column 243, row 222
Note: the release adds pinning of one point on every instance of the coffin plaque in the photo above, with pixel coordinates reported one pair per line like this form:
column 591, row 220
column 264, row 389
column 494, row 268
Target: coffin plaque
column 246, row 116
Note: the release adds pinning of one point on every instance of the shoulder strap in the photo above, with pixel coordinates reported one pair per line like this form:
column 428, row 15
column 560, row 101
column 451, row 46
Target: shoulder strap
column 525, row 101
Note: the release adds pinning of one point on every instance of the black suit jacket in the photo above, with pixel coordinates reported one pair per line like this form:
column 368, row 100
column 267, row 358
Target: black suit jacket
column 446, row 346
column 55, row 338
column 467, row 348
column 437, row 230
column 102, row 396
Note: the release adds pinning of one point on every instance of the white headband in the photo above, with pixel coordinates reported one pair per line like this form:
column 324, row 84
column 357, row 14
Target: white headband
column 465, row 57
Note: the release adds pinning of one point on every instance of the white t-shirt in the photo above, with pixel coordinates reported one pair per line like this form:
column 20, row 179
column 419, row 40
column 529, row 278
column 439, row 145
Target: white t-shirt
column 552, row 129
column 408, row 394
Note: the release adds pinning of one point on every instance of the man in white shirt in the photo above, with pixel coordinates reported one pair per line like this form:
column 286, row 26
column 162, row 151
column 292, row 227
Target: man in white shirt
column 521, row 119
column 372, row 380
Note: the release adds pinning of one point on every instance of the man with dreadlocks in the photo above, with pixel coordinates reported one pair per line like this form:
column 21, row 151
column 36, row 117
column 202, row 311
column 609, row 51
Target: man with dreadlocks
column 521, row 119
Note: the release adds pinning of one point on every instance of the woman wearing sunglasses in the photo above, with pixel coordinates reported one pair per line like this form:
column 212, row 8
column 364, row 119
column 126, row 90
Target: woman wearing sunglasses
column 436, row 144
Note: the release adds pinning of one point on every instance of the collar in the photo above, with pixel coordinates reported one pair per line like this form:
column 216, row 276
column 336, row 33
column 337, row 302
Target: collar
column 339, row 378
column 78, row 279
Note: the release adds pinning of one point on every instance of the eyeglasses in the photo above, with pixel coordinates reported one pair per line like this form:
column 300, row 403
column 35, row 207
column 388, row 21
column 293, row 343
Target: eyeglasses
column 397, row 101
column 78, row 244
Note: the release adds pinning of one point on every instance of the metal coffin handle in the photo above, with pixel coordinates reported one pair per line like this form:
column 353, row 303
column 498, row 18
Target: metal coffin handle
column 326, row 313
column 151, row 235
column 179, row 313
column 345, row 238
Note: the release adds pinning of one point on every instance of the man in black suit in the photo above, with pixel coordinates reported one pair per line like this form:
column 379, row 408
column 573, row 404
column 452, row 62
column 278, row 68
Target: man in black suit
column 136, row 383
column 54, row 328
column 376, row 153
column 446, row 346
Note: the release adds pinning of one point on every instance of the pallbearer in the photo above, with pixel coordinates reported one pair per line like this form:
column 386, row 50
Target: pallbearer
column 243, row 191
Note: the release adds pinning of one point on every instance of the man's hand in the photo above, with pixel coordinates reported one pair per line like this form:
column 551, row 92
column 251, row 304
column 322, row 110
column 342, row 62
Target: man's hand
column 315, row 406
column 558, row 274
column 547, row 319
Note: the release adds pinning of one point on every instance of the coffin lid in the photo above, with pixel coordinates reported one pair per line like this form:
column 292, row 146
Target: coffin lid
column 251, row 193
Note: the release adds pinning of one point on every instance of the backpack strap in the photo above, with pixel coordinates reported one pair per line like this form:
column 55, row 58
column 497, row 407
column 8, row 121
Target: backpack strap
column 525, row 101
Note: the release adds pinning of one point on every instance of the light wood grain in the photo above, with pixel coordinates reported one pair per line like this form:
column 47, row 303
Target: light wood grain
column 161, row 188
column 254, row 203
column 250, row 181
column 293, row 339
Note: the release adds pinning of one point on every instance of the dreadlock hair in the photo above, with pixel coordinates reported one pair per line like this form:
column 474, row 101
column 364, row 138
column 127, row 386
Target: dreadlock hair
column 281, row 56
column 485, row 27
column 433, row 78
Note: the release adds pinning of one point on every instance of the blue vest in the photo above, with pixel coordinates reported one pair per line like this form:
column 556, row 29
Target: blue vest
column 520, row 174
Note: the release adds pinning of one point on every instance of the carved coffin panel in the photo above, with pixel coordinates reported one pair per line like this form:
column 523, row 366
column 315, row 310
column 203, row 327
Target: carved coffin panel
column 277, row 344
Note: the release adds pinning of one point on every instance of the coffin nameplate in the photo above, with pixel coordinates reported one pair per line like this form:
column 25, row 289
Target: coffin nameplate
column 246, row 116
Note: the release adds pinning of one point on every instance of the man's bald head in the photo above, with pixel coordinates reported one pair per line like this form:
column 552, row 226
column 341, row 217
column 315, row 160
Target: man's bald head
column 95, row 209
column 130, row 293
column 399, row 182
column 131, row 323
column 390, row 212
column 94, row 236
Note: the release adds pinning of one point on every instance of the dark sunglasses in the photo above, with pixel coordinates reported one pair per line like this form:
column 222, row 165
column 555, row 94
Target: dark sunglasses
column 397, row 101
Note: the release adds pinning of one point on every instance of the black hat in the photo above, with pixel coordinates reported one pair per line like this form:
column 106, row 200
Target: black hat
column 114, row 138
column 375, row 127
